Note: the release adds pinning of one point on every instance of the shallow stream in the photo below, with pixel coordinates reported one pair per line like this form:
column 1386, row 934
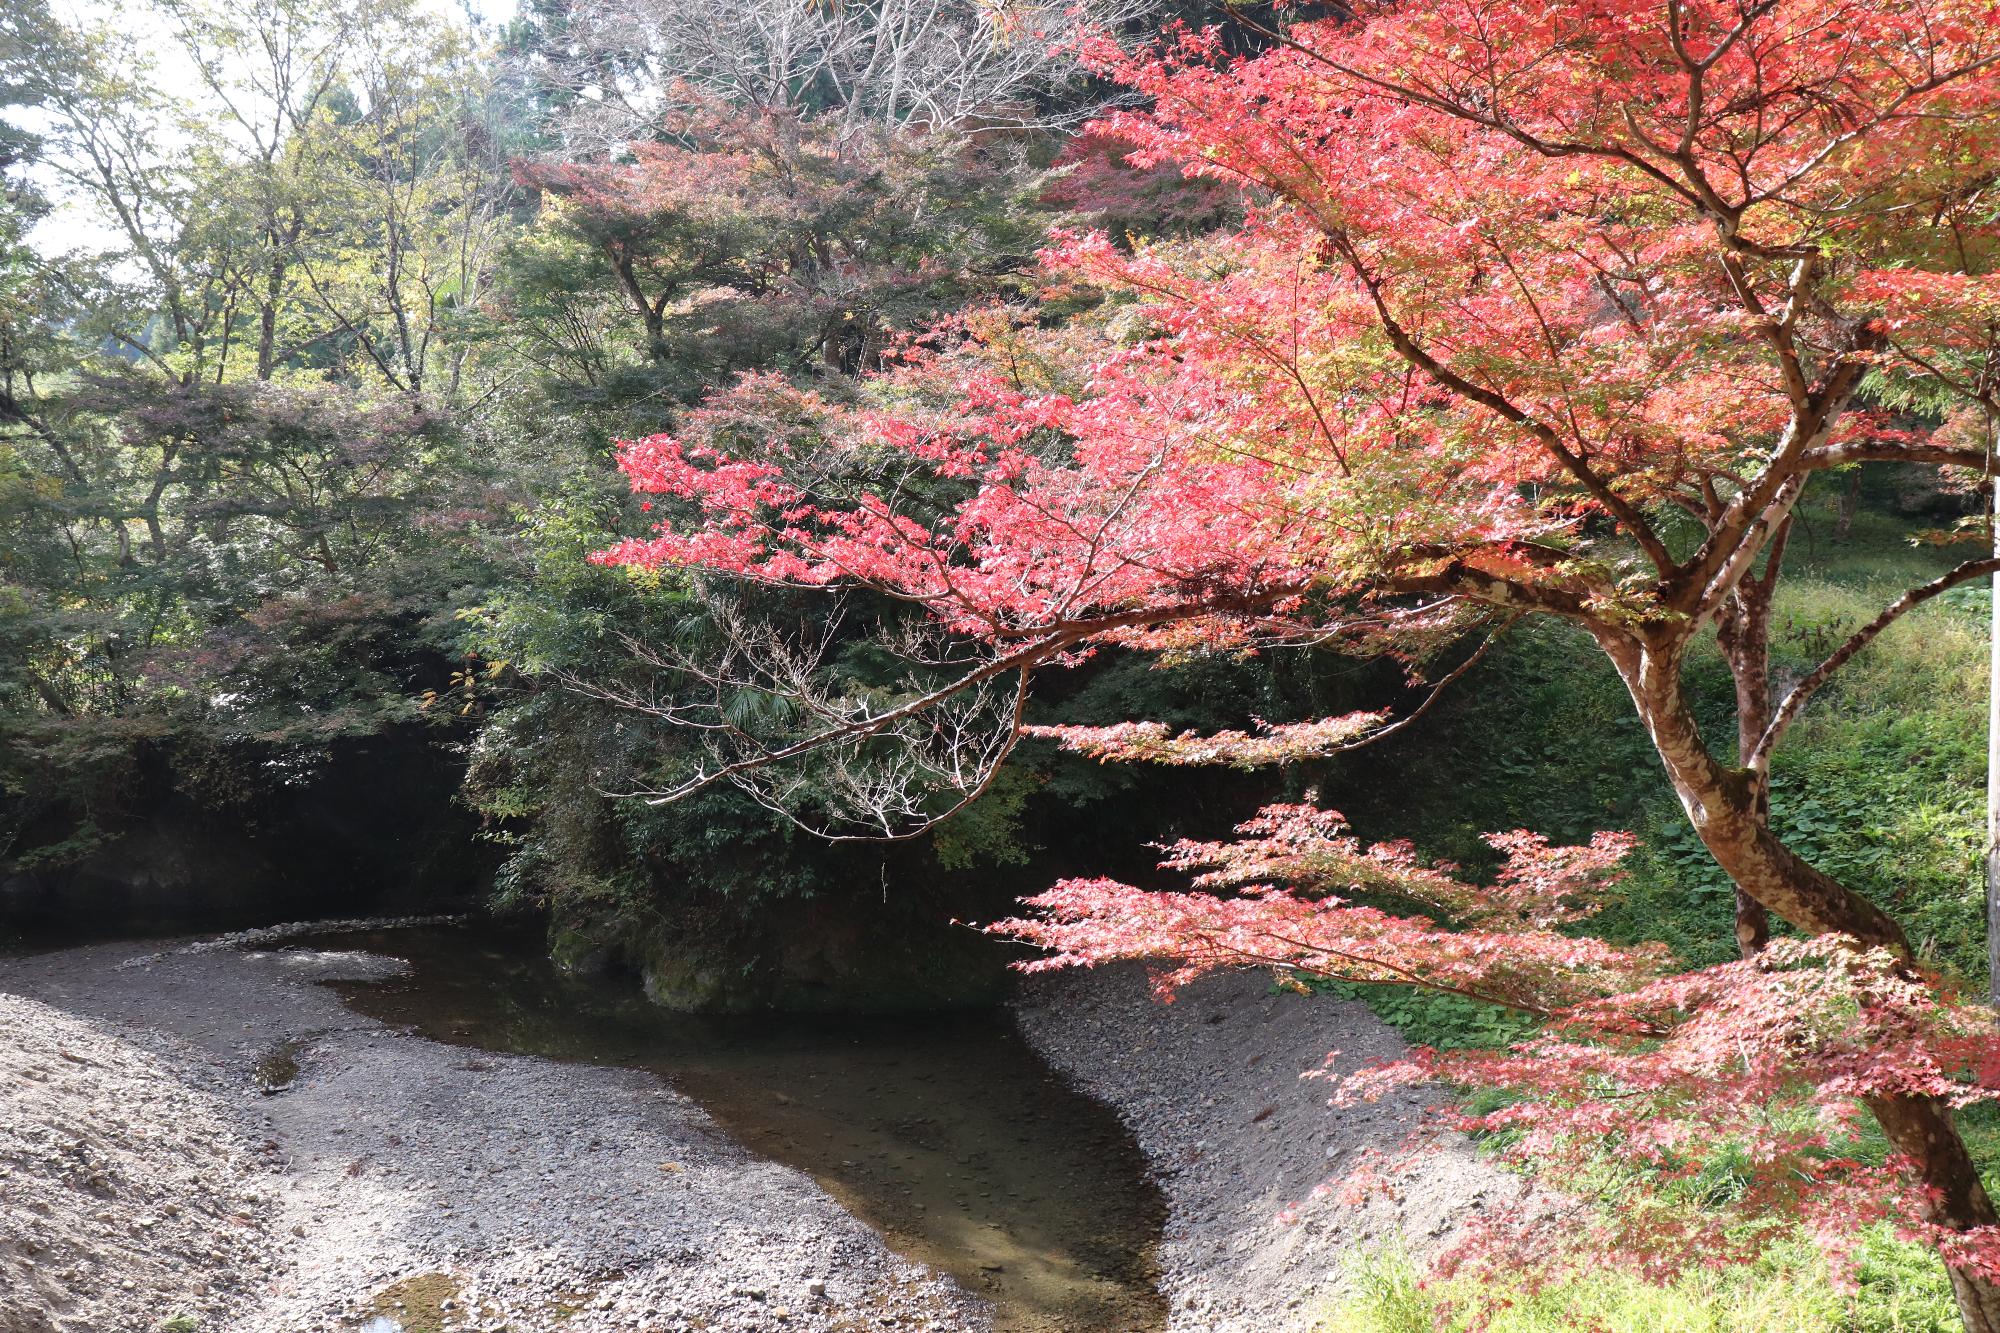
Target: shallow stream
column 947, row 1134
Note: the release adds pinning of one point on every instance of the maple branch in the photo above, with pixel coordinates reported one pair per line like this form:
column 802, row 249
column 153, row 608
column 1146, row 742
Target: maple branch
column 864, row 727
column 1887, row 451
column 1399, row 337
column 1777, row 330
column 1399, row 975
column 1775, row 518
column 1437, row 691
column 1278, row 744
column 1796, row 700
column 1882, row 116
column 1457, row 578
column 987, row 768
column 1487, row 120
column 1754, row 510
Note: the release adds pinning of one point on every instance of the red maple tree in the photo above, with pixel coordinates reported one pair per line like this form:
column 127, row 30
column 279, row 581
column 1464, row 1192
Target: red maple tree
column 1543, row 309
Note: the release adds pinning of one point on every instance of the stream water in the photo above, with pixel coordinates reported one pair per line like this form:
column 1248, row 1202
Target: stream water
column 947, row 1134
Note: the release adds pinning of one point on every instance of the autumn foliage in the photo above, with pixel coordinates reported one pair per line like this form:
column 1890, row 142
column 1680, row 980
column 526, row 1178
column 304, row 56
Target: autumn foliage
column 1638, row 1064
column 1540, row 309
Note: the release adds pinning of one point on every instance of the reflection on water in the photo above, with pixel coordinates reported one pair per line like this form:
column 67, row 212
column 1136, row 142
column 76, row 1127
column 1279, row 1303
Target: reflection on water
column 947, row 1134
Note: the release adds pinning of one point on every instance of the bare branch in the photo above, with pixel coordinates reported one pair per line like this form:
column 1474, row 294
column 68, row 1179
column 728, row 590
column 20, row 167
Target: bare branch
column 940, row 65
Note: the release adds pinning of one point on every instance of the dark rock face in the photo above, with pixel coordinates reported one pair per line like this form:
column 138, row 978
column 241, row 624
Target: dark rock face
column 818, row 955
column 374, row 830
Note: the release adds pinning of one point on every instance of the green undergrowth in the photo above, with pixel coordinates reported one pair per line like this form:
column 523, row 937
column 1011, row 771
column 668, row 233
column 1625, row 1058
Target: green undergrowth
column 1447, row 1022
column 1899, row 1289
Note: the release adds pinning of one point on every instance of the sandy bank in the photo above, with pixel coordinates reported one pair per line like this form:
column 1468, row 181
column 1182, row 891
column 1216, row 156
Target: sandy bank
column 128, row 1192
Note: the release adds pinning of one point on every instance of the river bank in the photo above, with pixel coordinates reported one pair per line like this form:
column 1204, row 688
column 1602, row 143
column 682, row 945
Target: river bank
column 422, row 1183
column 129, row 1191
column 259, row 1157
column 1242, row 1146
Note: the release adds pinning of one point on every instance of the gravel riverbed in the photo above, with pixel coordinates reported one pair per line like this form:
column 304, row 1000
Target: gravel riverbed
column 1210, row 1086
column 202, row 1133
column 392, row 1177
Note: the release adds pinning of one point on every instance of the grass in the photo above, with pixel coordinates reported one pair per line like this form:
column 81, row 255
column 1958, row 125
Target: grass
column 1788, row 1291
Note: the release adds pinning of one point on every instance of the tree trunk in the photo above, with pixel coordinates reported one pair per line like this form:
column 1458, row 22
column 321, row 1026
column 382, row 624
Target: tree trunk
column 1744, row 637
column 267, row 309
column 652, row 312
column 830, row 344
column 1725, row 808
column 1849, row 506
column 1723, row 805
column 1993, row 758
column 1922, row 1129
column 1978, row 1300
column 1753, row 926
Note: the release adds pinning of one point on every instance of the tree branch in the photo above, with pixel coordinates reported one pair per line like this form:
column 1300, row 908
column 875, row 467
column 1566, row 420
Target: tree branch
column 1795, row 701
column 1615, row 504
